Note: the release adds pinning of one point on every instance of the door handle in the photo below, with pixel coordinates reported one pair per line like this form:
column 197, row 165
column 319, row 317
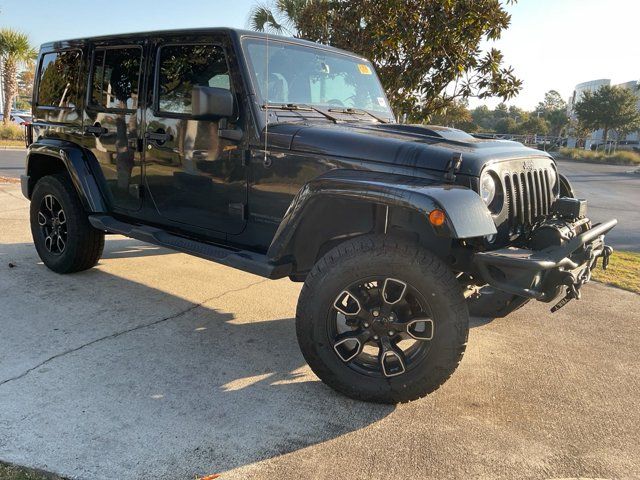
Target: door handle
column 158, row 137
column 96, row 129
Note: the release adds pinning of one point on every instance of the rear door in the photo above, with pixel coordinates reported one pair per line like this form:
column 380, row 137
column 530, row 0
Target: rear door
column 112, row 118
column 195, row 178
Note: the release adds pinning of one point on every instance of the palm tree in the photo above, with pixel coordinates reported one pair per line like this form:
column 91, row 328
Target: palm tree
column 280, row 18
column 15, row 50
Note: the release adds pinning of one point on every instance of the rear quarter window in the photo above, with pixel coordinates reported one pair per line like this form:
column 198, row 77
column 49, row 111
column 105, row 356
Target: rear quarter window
column 58, row 79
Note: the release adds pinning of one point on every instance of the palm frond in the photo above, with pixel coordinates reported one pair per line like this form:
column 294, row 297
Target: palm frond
column 16, row 45
column 262, row 19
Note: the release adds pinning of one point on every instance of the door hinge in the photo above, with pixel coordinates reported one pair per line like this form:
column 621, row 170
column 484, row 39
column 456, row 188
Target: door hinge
column 239, row 209
column 139, row 145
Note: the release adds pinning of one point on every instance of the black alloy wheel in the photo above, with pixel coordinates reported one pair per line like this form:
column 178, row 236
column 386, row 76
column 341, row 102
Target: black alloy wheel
column 53, row 224
column 381, row 327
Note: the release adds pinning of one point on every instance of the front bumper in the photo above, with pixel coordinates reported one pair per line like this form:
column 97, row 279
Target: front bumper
column 542, row 274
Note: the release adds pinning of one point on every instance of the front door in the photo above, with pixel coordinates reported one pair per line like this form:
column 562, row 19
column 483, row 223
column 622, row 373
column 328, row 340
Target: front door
column 112, row 120
column 194, row 177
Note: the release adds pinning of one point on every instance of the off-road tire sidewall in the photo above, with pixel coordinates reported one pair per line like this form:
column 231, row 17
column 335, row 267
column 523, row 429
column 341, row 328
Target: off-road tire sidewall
column 377, row 255
column 84, row 243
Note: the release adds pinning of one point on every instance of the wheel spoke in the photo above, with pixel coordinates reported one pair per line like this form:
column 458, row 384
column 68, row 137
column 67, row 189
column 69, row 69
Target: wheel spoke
column 347, row 304
column 42, row 219
column 349, row 345
column 391, row 358
column 393, row 290
column 62, row 219
column 420, row 329
column 48, row 242
column 60, row 243
column 48, row 203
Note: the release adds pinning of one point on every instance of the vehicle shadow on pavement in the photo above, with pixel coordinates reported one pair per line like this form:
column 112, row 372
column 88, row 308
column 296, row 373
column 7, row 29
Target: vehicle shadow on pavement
column 121, row 379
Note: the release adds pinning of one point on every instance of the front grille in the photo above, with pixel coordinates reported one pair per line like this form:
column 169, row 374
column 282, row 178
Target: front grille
column 529, row 196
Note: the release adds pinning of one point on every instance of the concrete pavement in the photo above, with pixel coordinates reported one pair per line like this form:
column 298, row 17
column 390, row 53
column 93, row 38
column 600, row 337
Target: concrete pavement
column 159, row 365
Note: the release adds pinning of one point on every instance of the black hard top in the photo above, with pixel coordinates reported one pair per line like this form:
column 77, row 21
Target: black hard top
column 238, row 33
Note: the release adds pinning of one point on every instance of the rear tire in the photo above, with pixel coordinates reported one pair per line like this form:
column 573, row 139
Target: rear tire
column 394, row 261
column 64, row 239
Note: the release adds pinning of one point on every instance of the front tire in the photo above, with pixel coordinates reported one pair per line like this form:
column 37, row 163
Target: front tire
column 64, row 239
column 382, row 320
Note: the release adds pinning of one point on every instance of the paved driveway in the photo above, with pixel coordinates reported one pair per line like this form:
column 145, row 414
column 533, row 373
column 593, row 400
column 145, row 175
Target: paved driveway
column 611, row 191
column 159, row 365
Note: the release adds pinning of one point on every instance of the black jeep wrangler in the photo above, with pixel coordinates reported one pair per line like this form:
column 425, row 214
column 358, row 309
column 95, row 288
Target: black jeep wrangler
column 281, row 157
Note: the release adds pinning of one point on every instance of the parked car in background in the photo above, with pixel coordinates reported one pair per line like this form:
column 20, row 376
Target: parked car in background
column 22, row 119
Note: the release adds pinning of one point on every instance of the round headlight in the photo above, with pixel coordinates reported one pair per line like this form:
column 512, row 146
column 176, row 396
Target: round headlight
column 487, row 188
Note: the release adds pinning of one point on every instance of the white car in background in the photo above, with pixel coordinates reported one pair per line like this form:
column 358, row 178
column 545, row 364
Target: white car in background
column 18, row 119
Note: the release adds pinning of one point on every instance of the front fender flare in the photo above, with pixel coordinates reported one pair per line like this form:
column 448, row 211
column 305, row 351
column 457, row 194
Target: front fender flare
column 467, row 215
column 75, row 161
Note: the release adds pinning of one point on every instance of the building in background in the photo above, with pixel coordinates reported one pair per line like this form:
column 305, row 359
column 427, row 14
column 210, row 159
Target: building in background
column 592, row 86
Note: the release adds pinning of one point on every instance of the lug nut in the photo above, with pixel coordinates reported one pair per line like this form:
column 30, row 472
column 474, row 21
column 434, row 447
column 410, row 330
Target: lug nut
column 375, row 337
column 366, row 325
column 376, row 313
column 391, row 333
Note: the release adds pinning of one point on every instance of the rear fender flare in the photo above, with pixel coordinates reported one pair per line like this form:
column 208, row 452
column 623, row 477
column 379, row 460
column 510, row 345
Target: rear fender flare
column 76, row 162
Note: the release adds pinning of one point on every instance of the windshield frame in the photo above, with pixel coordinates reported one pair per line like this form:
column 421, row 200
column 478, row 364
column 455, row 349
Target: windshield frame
column 263, row 104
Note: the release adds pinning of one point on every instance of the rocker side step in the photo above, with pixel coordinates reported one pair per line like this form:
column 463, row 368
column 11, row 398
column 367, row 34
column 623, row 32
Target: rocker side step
column 247, row 261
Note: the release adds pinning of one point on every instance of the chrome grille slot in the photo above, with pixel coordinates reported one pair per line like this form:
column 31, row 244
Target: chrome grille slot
column 529, row 196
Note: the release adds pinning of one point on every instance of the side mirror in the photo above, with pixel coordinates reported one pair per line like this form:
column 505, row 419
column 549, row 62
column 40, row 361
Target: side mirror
column 211, row 103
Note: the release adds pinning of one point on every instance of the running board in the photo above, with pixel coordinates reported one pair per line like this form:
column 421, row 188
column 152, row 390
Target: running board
column 247, row 261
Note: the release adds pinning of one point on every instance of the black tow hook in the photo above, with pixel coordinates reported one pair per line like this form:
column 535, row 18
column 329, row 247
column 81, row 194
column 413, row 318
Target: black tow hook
column 573, row 289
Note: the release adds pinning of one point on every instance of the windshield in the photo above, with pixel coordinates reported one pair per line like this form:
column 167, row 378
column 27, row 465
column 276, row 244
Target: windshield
column 286, row 73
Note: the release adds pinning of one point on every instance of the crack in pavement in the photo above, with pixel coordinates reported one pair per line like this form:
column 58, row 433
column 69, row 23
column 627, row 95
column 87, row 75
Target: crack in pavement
column 18, row 197
column 132, row 329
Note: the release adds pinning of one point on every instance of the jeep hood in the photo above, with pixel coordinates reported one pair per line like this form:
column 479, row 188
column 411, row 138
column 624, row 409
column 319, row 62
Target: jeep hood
column 427, row 147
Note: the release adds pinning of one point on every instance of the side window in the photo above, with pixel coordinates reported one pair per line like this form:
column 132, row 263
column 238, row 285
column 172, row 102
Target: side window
column 115, row 78
column 184, row 66
column 58, row 79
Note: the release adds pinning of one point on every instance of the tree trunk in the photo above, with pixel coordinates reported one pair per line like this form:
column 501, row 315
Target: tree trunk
column 10, row 80
column 605, row 135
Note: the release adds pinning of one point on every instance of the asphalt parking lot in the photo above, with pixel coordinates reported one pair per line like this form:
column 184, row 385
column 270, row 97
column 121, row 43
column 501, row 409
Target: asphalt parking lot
column 159, row 365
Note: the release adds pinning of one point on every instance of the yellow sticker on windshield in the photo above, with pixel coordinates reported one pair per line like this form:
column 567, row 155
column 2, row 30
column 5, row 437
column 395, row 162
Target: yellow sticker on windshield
column 364, row 69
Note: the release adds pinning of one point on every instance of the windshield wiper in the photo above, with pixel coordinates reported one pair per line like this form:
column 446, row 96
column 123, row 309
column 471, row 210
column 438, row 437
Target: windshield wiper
column 358, row 111
column 296, row 107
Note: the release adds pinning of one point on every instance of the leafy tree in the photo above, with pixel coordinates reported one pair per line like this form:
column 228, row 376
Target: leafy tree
column 609, row 108
column 506, row 125
column 14, row 51
column 554, row 110
column 534, row 125
column 483, row 117
column 455, row 115
column 427, row 52
column 25, row 86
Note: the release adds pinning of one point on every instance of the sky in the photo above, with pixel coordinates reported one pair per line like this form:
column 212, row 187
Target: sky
column 552, row 44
